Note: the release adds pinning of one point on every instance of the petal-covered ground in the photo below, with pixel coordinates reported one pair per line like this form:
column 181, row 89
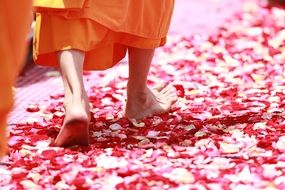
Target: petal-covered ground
column 227, row 130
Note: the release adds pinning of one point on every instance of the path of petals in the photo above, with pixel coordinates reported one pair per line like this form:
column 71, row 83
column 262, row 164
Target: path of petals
column 227, row 130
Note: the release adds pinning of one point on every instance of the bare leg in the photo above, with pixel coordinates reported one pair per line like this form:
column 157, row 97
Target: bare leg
column 75, row 128
column 3, row 135
column 141, row 101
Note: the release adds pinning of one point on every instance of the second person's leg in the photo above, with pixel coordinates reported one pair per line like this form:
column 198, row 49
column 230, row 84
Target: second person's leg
column 15, row 19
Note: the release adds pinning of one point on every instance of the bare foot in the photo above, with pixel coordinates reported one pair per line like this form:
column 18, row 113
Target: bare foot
column 85, row 102
column 75, row 128
column 150, row 102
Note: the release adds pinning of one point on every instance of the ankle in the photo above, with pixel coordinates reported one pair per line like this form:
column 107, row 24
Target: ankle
column 136, row 86
column 135, row 89
column 137, row 93
column 139, row 99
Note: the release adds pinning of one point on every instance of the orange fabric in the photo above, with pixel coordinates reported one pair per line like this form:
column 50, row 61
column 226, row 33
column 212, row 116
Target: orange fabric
column 102, row 29
column 15, row 17
column 41, row 5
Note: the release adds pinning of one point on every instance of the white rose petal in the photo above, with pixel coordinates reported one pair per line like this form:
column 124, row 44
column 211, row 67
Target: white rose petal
column 280, row 145
column 115, row 127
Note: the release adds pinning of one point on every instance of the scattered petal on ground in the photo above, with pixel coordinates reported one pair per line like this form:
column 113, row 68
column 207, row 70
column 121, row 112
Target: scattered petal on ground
column 226, row 131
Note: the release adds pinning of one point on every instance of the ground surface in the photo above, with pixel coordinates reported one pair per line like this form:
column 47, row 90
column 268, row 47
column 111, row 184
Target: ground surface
column 225, row 132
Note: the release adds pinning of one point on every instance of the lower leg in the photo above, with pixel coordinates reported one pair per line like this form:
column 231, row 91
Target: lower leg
column 3, row 136
column 141, row 101
column 75, row 127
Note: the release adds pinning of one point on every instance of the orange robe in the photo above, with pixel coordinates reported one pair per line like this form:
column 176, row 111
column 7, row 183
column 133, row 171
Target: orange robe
column 103, row 29
column 15, row 17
